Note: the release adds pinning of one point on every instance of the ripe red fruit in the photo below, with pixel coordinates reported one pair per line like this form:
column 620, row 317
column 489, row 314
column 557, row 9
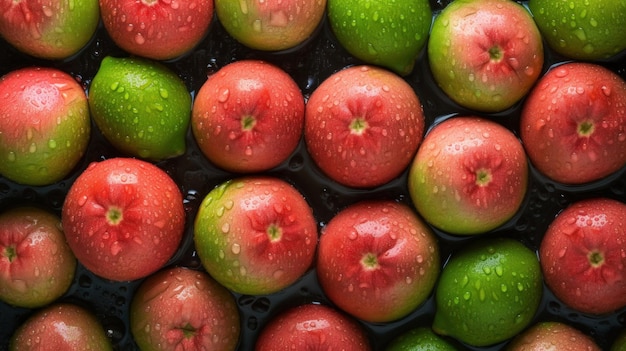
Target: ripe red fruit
column 312, row 327
column 255, row 235
column 61, row 326
column 36, row 264
column 469, row 175
column 183, row 309
column 157, row 29
column 377, row 260
column 44, row 125
column 573, row 123
column 363, row 125
column 248, row 117
column 554, row 336
column 123, row 218
column 582, row 255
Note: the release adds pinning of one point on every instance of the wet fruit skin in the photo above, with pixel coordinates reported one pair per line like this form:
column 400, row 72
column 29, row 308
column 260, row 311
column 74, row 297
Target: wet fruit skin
column 573, row 123
column 485, row 55
column 141, row 107
column 44, row 125
column 312, row 327
column 582, row 30
column 377, row 260
column 123, row 218
column 255, row 235
column 363, row 125
column 157, row 29
column 420, row 339
column 248, row 117
column 36, row 264
column 488, row 292
column 61, row 326
column 469, row 176
column 582, row 255
column 183, row 309
column 271, row 25
column 391, row 36
column 49, row 29
column 556, row 336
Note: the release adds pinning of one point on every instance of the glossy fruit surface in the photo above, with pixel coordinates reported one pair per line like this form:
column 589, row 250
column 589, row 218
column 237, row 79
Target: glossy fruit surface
column 555, row 336
column 255, row 235
column 123, row 218
column 180, row 308
column 583, row 30
column 36, row 264
column 469, row 176
column 44, row 125
column 141, row 107
column 379, row 34
column 488, row 292
column 420, row 339
column 248, row 117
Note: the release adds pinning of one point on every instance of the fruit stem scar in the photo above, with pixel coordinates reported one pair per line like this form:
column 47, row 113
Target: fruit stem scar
column 10, row 253
column 114, row 215
column 483, row 177
column 585, row 128
column 248, row 122
column 358, row 125
column 495, row 53
column 274, row 233
column 370, row 261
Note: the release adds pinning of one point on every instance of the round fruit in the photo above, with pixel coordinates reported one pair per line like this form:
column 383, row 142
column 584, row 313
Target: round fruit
column 582, row 30
column 573, row 123
column 488, row 292
column 61, row 326
column 183, row 309
column 123, row 218
column 553, row 336
column 379, row 33
column 44, row 125
column 255, row 235
column 141, row 107
column 49, row 29
column 248, row 117
column 469, row 176
column 159, row 30
column 36, row 264
column 485, row 54
column 582, row 255
column 420, row 339
column 312, row 327
column 270, row 25
column 363, row 125
column 377, row 260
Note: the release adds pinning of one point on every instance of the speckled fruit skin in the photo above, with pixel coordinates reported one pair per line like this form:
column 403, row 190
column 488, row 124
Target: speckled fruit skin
column 377, row 260
column 248, row 117
column 420, row 339
column 44, row 125
column 49, row 29
column 270, row 25
column 123, row 218
column 554, row 336
column 380, row 33
column 573, row 123
column 141, row 107
column 255, row 235
column 312, row 327
column 485, row 54
column 36, row 264
column 61, row 326
column 582, row 30
column 582, row 255
column 363, row 125
column 183, row 309
column 469, row 176
column 488, row 292
column 157, row 29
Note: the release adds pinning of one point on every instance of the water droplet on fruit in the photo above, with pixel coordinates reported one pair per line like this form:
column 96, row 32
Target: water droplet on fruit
column 139, row 39
column 235, row 249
